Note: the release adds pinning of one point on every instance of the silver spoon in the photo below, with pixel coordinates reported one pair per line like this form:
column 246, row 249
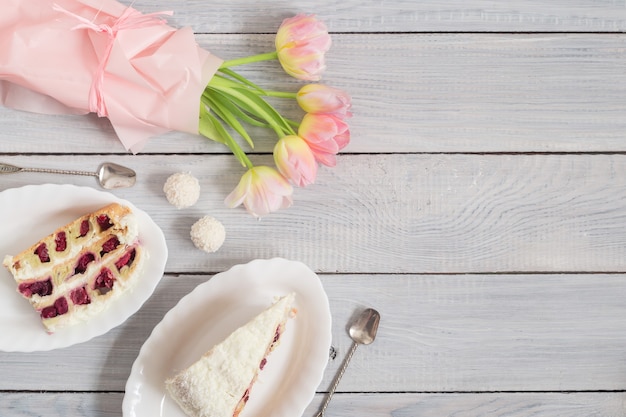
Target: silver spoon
column 109, row 175
column 362, row 332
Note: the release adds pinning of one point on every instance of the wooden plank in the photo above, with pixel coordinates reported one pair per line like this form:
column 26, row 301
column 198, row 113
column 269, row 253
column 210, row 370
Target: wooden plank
column 348, row 405
column 438, row 333
column 396, row 213
column 399, row 16
column 421, row 93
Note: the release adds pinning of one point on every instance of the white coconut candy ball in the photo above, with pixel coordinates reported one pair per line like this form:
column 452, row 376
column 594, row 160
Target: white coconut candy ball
column 182, row 190
column 208, row 234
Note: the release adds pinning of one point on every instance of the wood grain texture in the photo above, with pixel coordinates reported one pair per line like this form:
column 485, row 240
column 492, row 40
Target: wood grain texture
column 414, row 93
column 479, row 207
column 349, row 405
column 396, row 213
column 442, row 333
column 400, row 15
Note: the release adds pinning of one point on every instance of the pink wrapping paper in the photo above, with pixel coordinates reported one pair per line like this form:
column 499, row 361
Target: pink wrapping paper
column 81, row 56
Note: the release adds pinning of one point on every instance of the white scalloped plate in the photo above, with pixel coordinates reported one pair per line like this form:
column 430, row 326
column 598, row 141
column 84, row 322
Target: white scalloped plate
column 31, row 212
column 216, row 308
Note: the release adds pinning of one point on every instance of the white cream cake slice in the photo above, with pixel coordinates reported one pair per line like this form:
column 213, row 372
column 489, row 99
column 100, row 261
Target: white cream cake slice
column 220, row 382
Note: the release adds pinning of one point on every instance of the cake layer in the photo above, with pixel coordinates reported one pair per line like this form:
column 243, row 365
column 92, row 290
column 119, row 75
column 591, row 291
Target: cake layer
column 65, row 276
column 94, row 292
column 66, row 242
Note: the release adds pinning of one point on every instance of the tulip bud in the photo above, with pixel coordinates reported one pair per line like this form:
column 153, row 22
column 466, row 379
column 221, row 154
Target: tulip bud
column 295, row 160
column 320, row 98
column 262, row 190
column 326, row 135
column 301, row 42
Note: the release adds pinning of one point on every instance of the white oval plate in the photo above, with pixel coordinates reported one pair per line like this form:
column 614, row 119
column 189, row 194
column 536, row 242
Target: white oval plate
column 213, row 310
column 31, row 212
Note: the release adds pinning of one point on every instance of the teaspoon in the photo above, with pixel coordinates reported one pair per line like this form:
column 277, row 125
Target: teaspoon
column 362, row 332
column 109, row 175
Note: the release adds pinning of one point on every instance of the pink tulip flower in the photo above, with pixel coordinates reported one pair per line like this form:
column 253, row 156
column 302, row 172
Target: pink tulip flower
column 320, row 98
column 326, row 135
column 262, row 190
column 301, row 42
column 295, row 160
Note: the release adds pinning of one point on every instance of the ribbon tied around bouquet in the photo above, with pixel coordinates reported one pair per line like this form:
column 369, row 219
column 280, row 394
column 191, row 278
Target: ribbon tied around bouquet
column 130, row 19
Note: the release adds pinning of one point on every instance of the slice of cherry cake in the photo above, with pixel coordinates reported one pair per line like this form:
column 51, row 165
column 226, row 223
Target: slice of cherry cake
column 219, row 383
column 73, row 274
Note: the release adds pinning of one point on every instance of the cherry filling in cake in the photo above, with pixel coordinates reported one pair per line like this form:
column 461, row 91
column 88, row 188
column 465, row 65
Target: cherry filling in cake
column 58, row 308
column 104, row 222
column 127, row 259
column 42, row 253
column 79, row 296
column 84, row 228
column 109, row 245
column 60, row 241
column 83, row 262
column 104, row 281
column 246, row 396
column 41, row 288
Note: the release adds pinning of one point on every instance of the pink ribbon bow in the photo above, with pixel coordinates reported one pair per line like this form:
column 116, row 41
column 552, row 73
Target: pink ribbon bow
column 130, row 19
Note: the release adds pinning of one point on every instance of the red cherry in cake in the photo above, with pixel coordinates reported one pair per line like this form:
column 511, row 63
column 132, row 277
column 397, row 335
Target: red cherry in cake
column 42, row 253
column 61, row 242
column 104, row 222
column 41, row 288
column 84, row 228
column 109, row 245
column 48, row 312
column 126, row 259
column 58, row 308
column 79, row 296
column 61, row 306
column 83, row 261
column 104, row 281
column 277, row 335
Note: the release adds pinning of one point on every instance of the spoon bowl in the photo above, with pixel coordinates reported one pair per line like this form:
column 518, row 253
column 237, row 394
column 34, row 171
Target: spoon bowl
column 365, row 327
column 112, row 175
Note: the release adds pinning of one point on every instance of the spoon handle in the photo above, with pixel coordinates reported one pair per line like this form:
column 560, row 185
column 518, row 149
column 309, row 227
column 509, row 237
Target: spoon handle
column 60, row 171
column 10, row 169
column 333, row 387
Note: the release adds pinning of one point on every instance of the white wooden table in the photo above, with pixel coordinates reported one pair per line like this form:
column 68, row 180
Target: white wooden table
column 480, row 207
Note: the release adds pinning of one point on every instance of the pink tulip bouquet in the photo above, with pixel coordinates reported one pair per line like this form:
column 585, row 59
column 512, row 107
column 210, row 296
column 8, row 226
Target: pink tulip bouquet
column 232, row 100
column 147, row 78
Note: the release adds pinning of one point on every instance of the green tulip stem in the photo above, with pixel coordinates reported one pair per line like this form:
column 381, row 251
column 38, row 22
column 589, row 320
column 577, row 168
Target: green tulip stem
column 250, row 59
column 281, row 94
